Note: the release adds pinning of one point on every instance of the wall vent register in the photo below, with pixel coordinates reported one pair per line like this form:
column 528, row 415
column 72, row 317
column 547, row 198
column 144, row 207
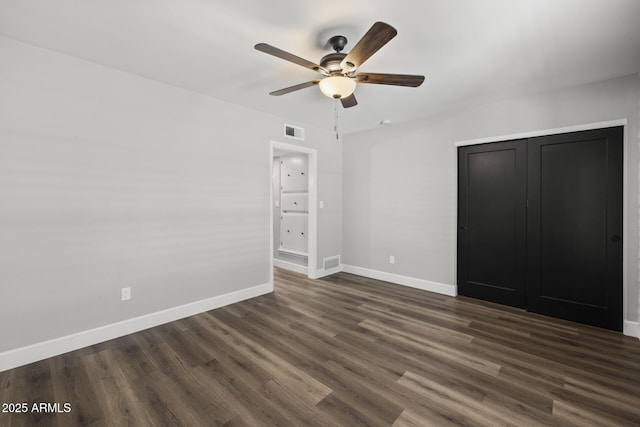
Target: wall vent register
column 331, row 262
column 294, row 132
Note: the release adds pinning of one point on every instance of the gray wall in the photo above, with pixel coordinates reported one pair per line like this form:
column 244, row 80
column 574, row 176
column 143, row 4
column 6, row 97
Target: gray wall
column 399, row 181
column 110, row 180
column 330, row 192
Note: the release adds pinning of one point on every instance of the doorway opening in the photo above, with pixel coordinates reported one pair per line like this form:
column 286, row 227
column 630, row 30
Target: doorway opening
column 293, row 225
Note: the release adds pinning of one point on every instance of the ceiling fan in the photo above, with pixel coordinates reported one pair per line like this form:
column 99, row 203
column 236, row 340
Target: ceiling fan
column 339, row 69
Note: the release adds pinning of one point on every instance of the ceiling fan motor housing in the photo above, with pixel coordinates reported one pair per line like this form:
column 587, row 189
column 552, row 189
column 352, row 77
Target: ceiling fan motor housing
column 337, row 84
column 331, row 62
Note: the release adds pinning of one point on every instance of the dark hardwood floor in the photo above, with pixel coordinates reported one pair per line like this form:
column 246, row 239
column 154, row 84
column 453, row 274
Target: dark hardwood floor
column 344, row 350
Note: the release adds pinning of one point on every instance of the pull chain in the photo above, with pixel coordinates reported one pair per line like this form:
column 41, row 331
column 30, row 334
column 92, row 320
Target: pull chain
column 335, row 126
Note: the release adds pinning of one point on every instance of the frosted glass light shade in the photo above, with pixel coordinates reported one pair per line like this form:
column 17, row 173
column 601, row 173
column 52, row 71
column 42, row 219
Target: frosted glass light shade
column 337, row 86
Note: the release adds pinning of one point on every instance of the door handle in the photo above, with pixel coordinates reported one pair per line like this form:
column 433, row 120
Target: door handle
column 464, row 228
column 615, row 238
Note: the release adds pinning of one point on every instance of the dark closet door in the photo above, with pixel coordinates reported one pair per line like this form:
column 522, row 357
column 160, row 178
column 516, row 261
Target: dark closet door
column 492, row 222
column 574, row 239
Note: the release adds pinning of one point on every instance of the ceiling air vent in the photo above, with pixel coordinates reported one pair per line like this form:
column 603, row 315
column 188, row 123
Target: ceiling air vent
column 294, row 132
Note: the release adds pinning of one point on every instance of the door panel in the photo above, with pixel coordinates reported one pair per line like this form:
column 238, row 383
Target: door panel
column 295, row 202
column 572, row 256
column 575, row 226
column 491, row 218
column 293, row 234
column 293, row 175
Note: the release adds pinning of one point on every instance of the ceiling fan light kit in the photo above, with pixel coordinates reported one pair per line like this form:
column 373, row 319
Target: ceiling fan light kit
column 339, row 69
column 337, row 87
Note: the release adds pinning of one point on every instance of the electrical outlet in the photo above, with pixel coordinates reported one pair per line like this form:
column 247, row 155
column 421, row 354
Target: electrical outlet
column 321, row 204
column 126, row 294
column 392, row 259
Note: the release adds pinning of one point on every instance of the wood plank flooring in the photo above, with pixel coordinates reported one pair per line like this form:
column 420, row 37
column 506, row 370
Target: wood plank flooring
column 344, row 350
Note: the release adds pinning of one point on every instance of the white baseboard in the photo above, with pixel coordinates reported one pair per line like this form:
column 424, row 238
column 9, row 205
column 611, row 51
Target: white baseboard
column 290, row 266
column 305, row 270
column 323, row 273
column 22, row 356
column 412, row 282
column 631, row 329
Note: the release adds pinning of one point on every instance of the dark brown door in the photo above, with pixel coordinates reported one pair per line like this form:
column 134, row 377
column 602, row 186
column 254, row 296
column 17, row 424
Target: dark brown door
column 492, row 222
column 540, row 225
column 575, row 226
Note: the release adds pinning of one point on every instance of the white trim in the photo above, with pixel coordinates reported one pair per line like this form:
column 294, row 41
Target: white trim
column 532, row 134
column 637, row 178
column 631, row 329
column 625, row 184
column 298, row 254
column 32, row 353
column 292, row 266
column 625, row 217
column 324, row 273
column 312, row 208
column 412, row 282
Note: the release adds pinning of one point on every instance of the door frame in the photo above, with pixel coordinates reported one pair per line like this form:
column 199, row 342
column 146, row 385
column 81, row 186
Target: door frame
column 312, row 231
column 627, row 330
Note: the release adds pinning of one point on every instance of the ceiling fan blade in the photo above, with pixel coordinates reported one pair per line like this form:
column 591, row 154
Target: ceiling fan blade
column 349, row 101
column 294, row 88
column 378, row 35
column 390, row 79
column 279, row 53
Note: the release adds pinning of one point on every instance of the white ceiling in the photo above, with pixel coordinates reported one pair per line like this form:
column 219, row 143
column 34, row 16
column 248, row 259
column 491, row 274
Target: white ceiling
column 471, row 51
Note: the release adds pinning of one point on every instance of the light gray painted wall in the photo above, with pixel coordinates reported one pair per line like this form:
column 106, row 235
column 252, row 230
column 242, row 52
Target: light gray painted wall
column 110, row 180
column 399, row 181
column 329, row 191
